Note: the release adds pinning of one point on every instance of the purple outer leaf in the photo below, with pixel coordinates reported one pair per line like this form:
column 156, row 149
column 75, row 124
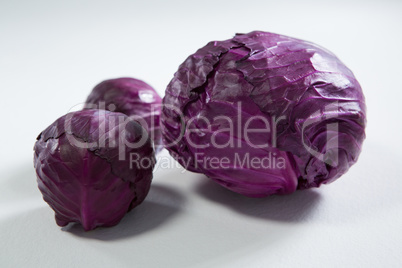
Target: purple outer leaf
column 132, row 97
column 273, row 76
column 92, row 185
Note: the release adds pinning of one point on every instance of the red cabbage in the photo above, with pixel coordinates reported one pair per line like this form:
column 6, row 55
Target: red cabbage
column 84, row 167
column 309, row 103
column 132, row 97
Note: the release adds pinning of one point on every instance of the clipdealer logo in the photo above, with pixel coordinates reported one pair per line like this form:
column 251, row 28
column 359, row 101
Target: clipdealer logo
column 238, row 132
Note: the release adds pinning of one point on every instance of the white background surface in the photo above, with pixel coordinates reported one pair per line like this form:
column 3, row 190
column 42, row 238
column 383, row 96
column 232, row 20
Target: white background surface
column 53, row 53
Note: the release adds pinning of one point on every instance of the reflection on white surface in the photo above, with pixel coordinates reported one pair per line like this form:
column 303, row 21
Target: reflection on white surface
column 188, row 220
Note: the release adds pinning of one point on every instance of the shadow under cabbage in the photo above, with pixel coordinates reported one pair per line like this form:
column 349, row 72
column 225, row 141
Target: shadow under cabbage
column 158, row 207
column 295, row 207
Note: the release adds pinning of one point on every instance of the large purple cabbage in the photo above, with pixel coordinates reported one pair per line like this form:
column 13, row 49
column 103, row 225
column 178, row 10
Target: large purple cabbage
column 309, row 103
column 132, row 97
column 87, row 167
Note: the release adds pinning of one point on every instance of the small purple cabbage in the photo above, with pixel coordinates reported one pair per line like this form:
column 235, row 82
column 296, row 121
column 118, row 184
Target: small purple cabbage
column 84, row 167
column 305, row 107
column 132, row 97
